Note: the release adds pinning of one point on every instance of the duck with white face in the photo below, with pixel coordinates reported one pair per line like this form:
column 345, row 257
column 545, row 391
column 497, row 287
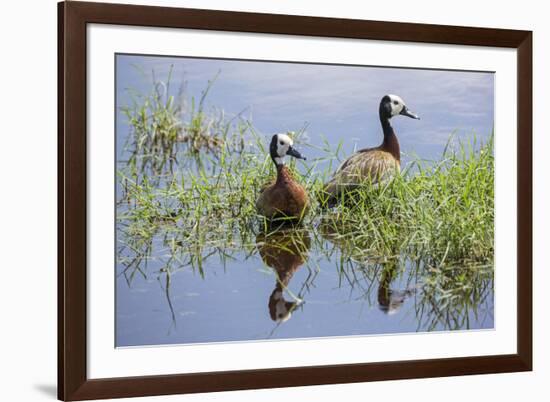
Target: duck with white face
column 280, row 146
column 393, row 105
column 285, row 197
column 371, row 165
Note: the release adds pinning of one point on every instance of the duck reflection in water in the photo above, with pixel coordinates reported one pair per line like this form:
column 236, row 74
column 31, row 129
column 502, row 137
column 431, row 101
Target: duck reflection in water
column 285, row 251
column 391, row 300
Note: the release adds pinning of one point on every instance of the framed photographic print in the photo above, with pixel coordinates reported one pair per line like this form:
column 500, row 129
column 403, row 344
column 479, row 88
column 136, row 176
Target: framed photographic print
column 252, row 200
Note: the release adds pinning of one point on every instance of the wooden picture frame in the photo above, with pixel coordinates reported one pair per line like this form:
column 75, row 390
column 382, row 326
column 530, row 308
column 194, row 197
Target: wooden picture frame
column 73, row 382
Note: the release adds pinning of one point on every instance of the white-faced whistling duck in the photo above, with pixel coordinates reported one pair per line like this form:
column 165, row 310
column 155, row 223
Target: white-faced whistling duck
column 285, row 197
column 371, row 164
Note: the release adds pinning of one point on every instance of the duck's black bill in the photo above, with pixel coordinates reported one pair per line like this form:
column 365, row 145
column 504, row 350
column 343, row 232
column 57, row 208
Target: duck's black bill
column 292, row 152
column 408, row 113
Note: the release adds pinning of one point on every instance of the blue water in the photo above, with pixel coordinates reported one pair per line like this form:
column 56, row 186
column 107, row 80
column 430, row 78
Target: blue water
column 336, row 102
column 231, row 303
column 328, row 293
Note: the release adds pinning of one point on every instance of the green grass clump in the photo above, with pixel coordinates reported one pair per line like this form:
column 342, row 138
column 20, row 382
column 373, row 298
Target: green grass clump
column 442, row 213
column 163, row 124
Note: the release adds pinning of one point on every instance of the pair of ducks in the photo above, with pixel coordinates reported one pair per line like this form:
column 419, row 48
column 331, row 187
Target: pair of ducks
column 286, row 198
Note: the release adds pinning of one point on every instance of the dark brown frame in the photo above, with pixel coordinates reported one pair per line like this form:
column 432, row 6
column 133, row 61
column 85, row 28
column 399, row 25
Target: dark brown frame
column 73, row 383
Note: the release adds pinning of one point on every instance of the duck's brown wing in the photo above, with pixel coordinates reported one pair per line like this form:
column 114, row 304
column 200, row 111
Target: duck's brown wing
column 369, row 165
column 290, row 200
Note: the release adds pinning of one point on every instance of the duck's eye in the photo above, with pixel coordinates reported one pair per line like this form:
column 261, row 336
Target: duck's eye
column 282, row 143
column 395, row 103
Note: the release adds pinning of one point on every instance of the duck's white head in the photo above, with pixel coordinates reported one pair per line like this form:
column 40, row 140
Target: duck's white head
column 280, row 146
column 393, row 105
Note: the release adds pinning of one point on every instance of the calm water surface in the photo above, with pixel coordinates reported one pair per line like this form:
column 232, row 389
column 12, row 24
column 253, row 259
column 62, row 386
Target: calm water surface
column 240, row 298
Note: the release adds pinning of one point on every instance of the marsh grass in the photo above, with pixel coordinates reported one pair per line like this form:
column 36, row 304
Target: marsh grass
column 442, row 212
column 188, row 187
column 163, row 125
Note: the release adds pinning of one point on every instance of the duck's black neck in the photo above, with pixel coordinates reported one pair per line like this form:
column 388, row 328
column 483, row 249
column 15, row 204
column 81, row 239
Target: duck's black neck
column 390, row 143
